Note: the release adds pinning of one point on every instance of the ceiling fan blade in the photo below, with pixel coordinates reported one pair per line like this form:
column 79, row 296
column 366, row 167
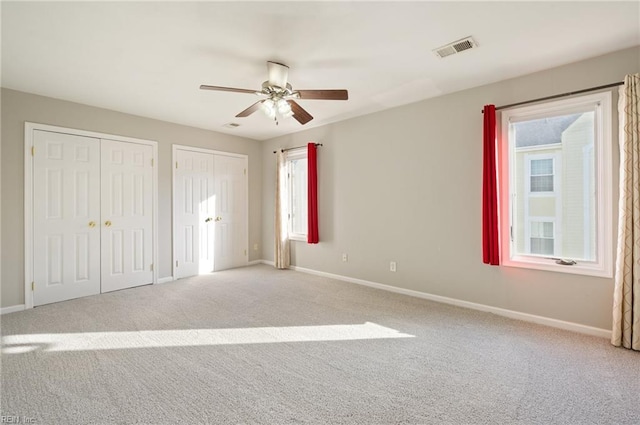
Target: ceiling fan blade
column 231, row 89
column 324, row 94
column 278, row 74
column 299, row 113
column 250, row 110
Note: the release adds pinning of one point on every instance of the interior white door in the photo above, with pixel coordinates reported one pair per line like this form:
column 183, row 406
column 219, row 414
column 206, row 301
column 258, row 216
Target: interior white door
column 66, row 217
column 194, row 207
column 231, row 212
column 127, row 214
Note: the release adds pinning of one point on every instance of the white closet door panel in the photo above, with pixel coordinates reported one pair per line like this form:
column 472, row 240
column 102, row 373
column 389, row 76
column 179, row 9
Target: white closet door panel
column 127, row 220
column 231, row 227
column 66, row 215
column 194, row 208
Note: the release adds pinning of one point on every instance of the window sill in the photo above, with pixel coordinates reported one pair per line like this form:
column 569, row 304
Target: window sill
column 298, row 238
column 596, row 270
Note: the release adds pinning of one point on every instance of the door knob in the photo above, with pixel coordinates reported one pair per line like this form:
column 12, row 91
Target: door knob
column 107, row 223
column 208, row 219
column 218, row 218
column 92, row 224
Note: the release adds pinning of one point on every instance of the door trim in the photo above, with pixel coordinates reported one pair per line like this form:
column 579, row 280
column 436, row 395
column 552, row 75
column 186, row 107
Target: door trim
column 29, row 128
column 174, row 156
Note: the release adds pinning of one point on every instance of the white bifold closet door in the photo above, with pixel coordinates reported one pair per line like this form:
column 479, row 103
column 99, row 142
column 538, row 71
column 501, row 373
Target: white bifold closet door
column 66, row 217
column 231, row 206
column 195, row 213
column 92, row 216
column 127, row 215
column 210, row 207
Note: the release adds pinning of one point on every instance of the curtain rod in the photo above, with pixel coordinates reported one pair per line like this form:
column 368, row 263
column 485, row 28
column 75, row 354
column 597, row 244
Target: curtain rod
column 555, row 96
column 297, row 147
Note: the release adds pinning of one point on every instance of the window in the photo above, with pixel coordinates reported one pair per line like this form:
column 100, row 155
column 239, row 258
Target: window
column 297, row 189
column 541, row 175
column 541, row 237
column 556, row 185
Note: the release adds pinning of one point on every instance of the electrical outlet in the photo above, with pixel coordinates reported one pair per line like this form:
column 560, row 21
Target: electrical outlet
column 255, row 246
column 392, row 266
column 345, row 257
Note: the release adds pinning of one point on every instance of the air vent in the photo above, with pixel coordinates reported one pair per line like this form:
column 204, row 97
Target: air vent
column 455, row 47
column 231, row 125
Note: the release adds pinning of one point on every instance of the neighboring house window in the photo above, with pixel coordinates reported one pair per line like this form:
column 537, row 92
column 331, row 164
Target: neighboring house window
column 541, row 240
column 297, row 189
column 556, row 185
column 541, row 175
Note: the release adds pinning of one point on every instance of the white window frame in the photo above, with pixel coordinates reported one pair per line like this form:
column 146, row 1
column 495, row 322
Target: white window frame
column 601, row 104
column 293, row 154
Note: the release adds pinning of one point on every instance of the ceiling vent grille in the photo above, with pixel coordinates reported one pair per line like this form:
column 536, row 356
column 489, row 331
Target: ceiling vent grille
column 231, row 125
column 455, row 47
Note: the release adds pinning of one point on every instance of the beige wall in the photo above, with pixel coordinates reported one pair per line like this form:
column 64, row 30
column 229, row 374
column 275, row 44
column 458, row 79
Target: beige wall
column 405, row 185
column 18, row 107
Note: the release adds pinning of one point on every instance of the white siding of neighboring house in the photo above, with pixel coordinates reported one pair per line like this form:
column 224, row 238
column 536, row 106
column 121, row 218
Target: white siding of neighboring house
column 578, row 205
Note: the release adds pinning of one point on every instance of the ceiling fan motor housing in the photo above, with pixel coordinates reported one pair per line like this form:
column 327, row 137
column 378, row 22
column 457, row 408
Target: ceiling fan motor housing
column 276, row 91
column 278, row 74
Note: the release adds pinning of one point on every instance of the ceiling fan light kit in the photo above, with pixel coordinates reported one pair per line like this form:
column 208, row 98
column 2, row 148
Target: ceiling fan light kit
column 279, row 96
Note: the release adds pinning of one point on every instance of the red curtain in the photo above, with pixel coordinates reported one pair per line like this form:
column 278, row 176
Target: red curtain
column 312, row 193
column 490, row 245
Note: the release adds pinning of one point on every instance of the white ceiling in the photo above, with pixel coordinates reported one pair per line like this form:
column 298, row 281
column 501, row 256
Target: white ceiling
column 149, row 58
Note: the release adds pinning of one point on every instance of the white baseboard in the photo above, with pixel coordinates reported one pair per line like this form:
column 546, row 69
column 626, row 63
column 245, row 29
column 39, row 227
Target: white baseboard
column 268, row 263
column 541, row 320
column 165, row 279
column 12, row 309
column 171, row 279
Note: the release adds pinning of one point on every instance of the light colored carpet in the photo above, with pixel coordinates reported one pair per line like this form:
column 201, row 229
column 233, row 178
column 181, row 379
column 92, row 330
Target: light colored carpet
column 261, row 346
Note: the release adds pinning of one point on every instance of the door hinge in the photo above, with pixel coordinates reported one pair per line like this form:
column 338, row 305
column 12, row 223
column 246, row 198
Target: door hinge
column 33, row 286
column 151, row 267
column 176, row 165
column 33, row 151
column 245, row 171
column 245, row 252
column 176, row 264
column 152, row 162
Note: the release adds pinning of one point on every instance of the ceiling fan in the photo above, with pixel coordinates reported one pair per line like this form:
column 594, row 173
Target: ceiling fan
column 279, row 96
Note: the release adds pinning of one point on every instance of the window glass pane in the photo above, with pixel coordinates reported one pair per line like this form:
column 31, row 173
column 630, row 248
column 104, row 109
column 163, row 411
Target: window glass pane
column 541, row 183
column 547, row 230
column 541, row 167
column 299, row 196
column 536, row 232
column 542, row 246
column 553, row 183
column 541, row 229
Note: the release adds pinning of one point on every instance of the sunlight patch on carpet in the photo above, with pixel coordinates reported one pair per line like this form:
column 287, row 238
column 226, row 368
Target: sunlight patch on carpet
column 87, row 341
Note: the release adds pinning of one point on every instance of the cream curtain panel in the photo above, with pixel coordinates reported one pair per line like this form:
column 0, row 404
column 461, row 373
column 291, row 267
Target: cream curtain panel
column 626, row 297
column 282, row 258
